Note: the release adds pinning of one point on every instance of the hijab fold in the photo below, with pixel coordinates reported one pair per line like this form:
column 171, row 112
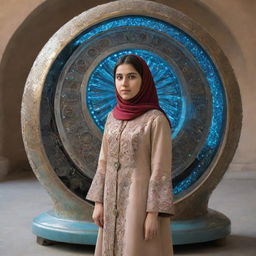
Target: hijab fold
column 146, row 99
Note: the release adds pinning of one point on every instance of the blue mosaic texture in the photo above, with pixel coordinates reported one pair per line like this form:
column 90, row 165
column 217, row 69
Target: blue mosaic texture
column 208, row 152
column 100, row 96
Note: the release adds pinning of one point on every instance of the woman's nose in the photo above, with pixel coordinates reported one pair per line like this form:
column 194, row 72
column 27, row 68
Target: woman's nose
column 125, row 82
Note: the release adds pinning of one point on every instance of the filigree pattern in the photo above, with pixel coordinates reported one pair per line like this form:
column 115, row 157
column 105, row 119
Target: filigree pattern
column 101, row 92
column 130, row 143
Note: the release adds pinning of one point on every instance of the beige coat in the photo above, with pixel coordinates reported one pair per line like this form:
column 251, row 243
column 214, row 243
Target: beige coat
column 134, row 177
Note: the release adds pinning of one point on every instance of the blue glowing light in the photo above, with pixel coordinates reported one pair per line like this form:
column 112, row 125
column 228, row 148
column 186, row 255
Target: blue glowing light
column 209, row 71
column 100, row 94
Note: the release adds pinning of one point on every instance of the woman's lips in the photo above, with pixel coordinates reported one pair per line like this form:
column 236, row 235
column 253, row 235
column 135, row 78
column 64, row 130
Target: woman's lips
column 125, row 91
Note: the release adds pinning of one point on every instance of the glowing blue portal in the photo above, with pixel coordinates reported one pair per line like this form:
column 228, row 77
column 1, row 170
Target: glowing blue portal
column 209, row 71
column 101, row 98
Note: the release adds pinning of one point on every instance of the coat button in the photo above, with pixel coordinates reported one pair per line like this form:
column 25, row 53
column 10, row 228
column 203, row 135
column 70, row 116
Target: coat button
column 163, row 178
column 115, row 212
column 116, row 164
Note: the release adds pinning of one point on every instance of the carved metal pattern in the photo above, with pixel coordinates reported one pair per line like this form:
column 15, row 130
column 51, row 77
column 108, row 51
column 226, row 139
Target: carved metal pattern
column 69, row 110
column 51, row 162
column 72, row 138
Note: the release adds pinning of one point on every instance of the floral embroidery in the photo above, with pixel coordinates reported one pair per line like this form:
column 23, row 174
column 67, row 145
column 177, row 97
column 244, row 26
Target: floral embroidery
column 113, row 184
column 159, row 195
column 97, row 187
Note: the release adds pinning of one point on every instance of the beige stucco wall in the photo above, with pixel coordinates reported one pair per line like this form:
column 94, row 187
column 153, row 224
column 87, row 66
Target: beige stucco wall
column 230, row 22
column 12, row 14
column 239, row 17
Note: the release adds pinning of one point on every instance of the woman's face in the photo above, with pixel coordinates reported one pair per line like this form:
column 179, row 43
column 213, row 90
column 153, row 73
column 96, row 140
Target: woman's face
column 127, row 81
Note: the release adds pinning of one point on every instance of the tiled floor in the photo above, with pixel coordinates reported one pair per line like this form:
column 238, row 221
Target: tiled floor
column 22, row 198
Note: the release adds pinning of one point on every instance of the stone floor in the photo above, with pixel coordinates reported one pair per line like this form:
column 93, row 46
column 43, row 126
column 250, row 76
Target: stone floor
column 22, row 198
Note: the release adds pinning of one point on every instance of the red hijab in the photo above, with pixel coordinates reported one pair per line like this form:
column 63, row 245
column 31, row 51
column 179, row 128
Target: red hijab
column 144, row 100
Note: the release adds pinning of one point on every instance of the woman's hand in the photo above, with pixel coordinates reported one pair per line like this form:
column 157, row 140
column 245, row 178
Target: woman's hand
column 151, row 225
column 97, row 215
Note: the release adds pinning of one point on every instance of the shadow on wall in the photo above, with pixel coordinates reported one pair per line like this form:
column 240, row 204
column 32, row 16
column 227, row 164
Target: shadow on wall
column 17, row 61
column 35, row 31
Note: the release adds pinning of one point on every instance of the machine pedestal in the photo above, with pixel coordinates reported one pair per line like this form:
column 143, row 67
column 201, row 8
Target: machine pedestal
column 49, row 229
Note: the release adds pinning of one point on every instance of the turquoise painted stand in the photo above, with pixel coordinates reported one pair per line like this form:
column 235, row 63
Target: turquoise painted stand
column 210, row 227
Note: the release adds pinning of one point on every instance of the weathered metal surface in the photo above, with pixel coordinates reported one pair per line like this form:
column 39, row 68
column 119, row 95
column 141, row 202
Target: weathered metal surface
column 40, row 132
column 78, row 132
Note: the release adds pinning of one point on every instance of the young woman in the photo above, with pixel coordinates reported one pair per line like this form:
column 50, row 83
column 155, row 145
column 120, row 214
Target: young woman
column 132, row 187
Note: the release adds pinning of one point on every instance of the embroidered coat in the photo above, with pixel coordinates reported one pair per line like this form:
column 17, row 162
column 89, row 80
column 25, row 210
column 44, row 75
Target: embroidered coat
column 133, row 177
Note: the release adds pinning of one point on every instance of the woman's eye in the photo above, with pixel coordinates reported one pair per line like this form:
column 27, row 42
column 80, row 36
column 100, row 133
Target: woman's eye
column 131, row 76
column 118, row 77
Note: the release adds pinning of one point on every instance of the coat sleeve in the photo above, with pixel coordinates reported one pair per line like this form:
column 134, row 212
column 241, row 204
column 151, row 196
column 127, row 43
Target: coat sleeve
column 96, row 190
column 160, row 198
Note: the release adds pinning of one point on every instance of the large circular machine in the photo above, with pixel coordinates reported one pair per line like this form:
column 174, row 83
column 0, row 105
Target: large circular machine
column 70, row 91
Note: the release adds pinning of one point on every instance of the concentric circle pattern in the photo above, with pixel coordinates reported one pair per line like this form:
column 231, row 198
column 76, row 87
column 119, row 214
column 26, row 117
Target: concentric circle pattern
column 101, row 92
column 79, row 93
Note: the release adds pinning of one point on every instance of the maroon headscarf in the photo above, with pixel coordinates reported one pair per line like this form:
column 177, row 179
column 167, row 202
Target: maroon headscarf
column 143, row 101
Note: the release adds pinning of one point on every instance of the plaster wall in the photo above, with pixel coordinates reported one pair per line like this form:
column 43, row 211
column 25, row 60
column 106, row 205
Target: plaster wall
column 12, row 14
column 239, row 18
column 26, row 25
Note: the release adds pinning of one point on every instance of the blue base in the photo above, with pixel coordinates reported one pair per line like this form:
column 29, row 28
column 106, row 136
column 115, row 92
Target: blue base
column 210, row 227
column 47, row 225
